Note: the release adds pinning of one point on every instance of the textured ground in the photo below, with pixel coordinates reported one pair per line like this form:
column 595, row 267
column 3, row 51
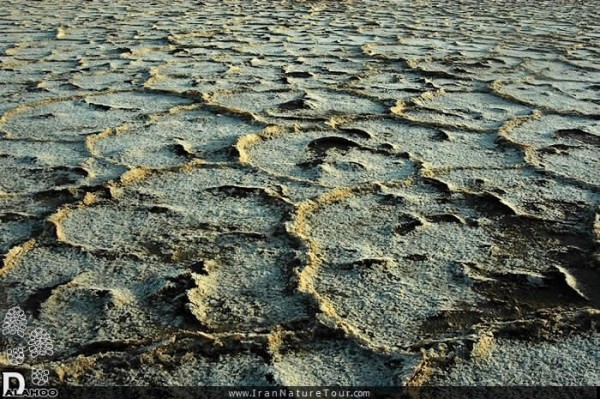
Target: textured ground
column 297, row 193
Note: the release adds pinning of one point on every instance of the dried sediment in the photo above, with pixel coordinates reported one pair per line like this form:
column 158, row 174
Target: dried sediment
column 353, row 192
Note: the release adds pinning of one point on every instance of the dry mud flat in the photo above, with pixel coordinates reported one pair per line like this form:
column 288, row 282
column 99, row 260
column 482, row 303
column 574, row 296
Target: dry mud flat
column 303, row 193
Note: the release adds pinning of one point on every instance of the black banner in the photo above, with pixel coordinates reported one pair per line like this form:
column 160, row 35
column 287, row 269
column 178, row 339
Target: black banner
column 123, row 392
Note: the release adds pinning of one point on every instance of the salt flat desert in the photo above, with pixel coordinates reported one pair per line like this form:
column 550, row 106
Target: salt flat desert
column 301, row 192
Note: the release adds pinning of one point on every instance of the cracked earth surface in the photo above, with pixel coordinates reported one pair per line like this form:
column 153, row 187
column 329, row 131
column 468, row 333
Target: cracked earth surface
column 303, row 193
